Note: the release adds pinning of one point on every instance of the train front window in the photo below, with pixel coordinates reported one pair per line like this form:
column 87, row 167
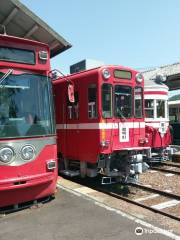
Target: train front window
column 123, row 101
column 26, row 106
column 107, row 100
column 160, row 104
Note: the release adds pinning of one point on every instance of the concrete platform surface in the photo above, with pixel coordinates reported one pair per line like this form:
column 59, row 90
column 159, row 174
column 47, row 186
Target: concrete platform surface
column 72, row 217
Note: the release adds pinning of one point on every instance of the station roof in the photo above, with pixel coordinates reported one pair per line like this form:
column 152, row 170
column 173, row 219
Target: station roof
column 19, row 21
column 172, row 72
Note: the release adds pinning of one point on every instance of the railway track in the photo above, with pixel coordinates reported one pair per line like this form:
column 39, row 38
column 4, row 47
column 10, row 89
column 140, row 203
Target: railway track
column 172, row 198
column 171, row 164
column 166, row 170
column 116, row 195
column 167, row 167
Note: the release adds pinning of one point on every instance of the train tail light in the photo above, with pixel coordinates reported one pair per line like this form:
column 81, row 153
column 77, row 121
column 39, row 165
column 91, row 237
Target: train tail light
column 105, row 143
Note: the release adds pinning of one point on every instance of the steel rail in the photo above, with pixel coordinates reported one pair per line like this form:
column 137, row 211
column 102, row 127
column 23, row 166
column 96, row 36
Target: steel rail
column 166, row 170
column 171, row 164
column 155, row 190
column 115, row 195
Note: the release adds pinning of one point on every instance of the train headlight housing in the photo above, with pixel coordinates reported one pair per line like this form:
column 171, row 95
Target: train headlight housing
column 139, row 78
column 28, row 152
column 6, row 155
column 106, row 74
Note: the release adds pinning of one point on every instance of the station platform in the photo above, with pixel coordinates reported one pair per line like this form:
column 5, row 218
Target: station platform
column 74, row 217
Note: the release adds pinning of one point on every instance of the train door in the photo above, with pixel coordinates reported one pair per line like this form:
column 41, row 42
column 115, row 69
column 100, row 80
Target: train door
column 123, row 114
column 88, row 124
column 71, row 127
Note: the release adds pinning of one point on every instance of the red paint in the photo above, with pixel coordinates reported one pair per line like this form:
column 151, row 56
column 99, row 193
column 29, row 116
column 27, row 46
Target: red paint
column 156, row 92
column 76, row 142
column 31, row 180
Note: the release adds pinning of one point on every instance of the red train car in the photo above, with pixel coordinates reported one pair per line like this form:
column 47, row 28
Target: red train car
column 103, row 130
column 157, row 119
column 28, row 150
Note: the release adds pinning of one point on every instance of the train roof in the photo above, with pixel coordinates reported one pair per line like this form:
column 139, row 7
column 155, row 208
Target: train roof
column 19, row 21
column 90, row 71
column 23, row 40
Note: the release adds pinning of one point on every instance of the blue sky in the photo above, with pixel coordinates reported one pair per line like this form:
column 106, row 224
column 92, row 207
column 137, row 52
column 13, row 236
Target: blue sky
column 135, row 33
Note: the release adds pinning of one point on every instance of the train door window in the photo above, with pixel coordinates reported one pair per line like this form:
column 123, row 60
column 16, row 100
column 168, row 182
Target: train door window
column 107, row 100
column 92, row 101
column 138, row 103
column 123, row 101
column 73, row 108
column 149, row 108
column 160, row 106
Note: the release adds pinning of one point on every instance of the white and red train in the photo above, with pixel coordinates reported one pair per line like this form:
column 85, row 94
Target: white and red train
column 103, row 130
column 157, row 119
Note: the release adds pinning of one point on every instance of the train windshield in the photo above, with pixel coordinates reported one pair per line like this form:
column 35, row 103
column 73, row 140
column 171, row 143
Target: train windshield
column 25, row 106
column 123, row 101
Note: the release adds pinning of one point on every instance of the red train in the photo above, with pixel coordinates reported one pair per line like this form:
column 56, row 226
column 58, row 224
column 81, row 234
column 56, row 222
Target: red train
column 103, row 129
column 28, row 151
column 157, row 119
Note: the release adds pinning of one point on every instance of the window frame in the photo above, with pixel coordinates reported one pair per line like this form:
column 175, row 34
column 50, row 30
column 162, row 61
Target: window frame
column 90, row 103
column 74, row 106
column 152, row 108
column 18, row 61
column 142, row 113
column 111, row 100
column 131, row 107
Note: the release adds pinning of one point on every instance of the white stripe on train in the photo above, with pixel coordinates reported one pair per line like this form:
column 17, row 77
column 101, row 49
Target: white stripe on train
column 101, row 125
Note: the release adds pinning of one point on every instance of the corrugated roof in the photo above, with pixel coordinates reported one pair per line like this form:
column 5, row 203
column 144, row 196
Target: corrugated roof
column 21, row 22
column 172, row 72
column 168, row 70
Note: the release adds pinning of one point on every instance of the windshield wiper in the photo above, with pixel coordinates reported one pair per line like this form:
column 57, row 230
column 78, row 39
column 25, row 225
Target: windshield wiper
column 5, row 76
column 121, row 115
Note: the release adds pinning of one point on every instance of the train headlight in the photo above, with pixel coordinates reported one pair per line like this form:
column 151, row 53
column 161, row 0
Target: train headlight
column 139, row 78
column 6, row 154
column 27, row 152
column 106, row 74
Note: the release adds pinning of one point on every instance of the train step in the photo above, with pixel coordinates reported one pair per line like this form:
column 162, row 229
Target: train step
column 70, row 173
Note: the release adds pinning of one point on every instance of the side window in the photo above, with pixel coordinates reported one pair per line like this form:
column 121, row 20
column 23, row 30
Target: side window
column 138, row 107
column 92, row 101
column 107, row 100
column 149, row 108
column 73, row 108
column 160, row 104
